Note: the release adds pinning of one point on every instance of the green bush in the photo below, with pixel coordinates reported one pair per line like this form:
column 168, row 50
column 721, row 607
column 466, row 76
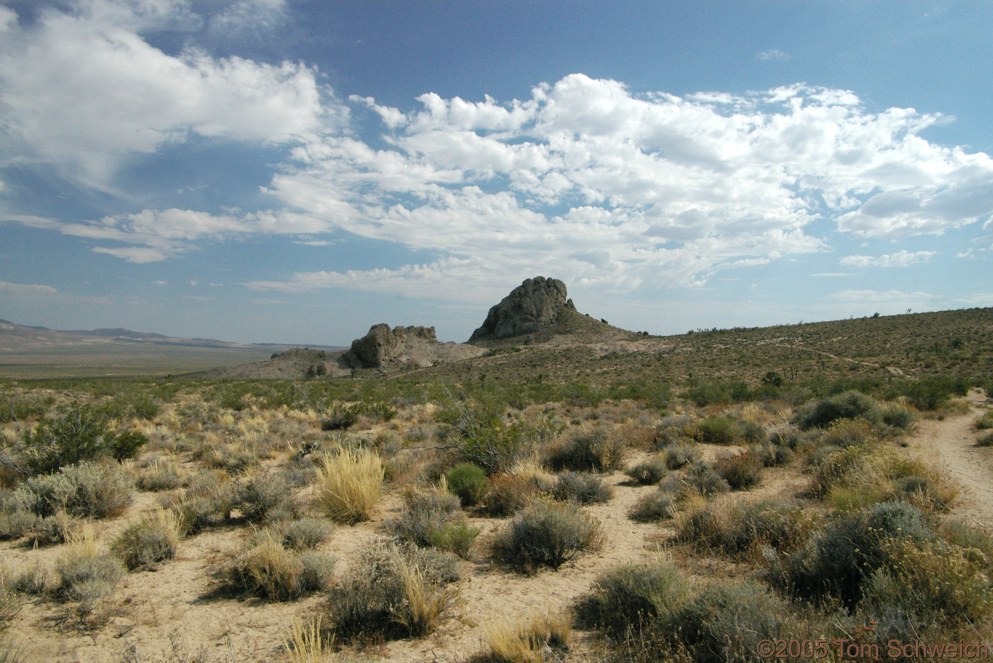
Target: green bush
column 633, row 597
column 582, row 488
column 393, row 592
column 847, row 405
column 468, row 481
column 547, row 534
column 75, row 436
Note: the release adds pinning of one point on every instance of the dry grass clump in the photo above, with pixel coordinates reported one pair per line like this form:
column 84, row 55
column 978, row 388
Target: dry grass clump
column 985, row 440
column 433, row 518
column 10, row 601
column 597, row 449
column 153, row 539
column 348, row 485
column 160, row 474
column 742, row 470
column 269, row 571
column 264, row 497
column 706, row 479
column 393, row 592
column 547, row 534
column 307, row 644
column 85, row 574
column 680, row 455
column 985, row 422
column 539, row 639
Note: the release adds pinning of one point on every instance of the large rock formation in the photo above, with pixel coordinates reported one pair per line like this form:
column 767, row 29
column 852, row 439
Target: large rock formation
column 403, row 348
column 534, row 305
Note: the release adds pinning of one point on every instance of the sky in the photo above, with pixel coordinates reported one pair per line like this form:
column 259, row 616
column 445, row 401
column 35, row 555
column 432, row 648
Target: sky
column 295, row 171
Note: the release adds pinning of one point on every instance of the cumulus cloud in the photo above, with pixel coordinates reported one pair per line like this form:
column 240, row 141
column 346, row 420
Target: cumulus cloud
column 899, row 259
column 83, row 89
column 613, row 188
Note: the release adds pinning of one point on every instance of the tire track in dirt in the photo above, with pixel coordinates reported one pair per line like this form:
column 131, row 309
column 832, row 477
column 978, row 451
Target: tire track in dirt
column 950, row 446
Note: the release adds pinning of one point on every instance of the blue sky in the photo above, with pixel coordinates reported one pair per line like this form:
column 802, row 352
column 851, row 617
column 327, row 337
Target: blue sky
column 298, row 170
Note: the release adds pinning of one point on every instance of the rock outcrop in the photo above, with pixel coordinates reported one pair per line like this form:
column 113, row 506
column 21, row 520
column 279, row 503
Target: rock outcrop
column 534, row 305
column 402, row 348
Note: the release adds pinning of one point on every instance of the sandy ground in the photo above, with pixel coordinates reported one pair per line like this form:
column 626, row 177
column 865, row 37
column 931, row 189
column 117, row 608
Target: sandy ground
column 950, row 446
column 172, row 608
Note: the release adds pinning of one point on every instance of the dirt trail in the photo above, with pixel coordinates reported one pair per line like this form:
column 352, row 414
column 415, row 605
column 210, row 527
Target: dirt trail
column 950, row 446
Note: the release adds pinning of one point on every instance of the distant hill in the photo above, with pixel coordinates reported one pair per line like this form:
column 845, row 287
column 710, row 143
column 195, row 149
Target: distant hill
column 39, row 352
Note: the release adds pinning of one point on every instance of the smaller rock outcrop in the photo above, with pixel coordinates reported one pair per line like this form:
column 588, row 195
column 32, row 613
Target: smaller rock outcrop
column 402, row 348
column 534, row 305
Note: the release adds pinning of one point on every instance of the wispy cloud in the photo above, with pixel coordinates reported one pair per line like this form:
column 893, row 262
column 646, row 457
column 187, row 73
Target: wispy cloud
column 26, row 289
column 772, row 55
column 898, row 259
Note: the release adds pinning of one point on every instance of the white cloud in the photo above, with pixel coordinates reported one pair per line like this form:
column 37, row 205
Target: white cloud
column 248, row 19
column 892, row 297
column 26, row 289
column 84, row 90
column 899, row 259
column 772, row 55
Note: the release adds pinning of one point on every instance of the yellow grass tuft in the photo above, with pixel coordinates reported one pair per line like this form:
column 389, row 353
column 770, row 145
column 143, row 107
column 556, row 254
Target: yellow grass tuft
column 531, row 641
column 349, row 483
column 306, row 644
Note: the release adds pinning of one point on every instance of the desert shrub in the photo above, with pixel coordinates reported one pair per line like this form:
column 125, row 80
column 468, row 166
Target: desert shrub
column 847, row 405
column 468, row 481
column 969, row 538
column 546, row 534
column 160, row 474
column 706, row 479
column 306, row 533
column 985, row 422
column 53, row 530
column 88, row 490
column 433, row 518
column 74, row 436
column 205, row 502
column 84, row 573
column 582, row 488
column 145, row 543
column 10, row 602
column 15, row 520
column 340, row 417
column 846, row 433
column 681, row 455
column 393, row 592
column 742, row 471
column 837, row 561
column 785, row 436
column 509, row 493
column 596, row 450
column 349, row 484
column 653, row 507
column 896, row 416
column 770, row 455
column 934, row 391
column 727, row 620
column 633, row 597
column 485, row 439
column 649, row 472
column 739, row 528
column 985, row 440
column 268, row 570
column 674, row 429
column 931, row 583
column 720, row 430
column 265, row 497
column 531, row 641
